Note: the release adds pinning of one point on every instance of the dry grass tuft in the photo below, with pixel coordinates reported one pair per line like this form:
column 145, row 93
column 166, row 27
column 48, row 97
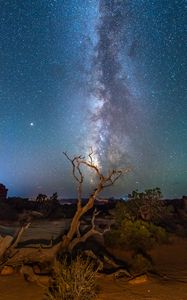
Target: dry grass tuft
column 73, row 281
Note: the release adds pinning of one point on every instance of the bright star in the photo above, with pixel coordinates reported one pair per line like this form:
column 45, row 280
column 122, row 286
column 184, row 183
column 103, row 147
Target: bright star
column 31, row 124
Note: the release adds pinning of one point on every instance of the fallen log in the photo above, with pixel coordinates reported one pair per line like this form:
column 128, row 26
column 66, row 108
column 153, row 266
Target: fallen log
column 5, row 243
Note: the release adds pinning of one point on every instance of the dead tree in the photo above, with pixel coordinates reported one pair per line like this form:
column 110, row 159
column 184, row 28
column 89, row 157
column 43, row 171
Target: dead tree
column 8, row 244
column 73, row 236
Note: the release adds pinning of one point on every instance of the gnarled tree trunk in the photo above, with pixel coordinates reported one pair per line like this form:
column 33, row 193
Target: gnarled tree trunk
column 73, row 237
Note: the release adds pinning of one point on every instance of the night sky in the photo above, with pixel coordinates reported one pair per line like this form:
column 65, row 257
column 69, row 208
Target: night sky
column 110, row 74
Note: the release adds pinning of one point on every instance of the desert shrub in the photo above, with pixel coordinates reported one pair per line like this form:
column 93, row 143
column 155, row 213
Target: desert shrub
column 73, row 281
column 159, row 234
column 137, row 227
column 137, row 221
column 146, row 206
column 122, row 212
column 136, row 235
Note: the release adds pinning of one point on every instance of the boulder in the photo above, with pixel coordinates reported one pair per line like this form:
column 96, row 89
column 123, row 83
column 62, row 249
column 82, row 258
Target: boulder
column 139, row 279
column 121, row 273
column 7, row 270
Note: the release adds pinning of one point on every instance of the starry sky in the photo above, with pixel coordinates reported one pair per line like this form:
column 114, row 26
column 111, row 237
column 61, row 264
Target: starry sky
column 106, row 74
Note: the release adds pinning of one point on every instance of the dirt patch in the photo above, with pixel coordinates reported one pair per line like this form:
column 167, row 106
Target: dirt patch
column 170, row 262
column 152, row 290
column 15, row 288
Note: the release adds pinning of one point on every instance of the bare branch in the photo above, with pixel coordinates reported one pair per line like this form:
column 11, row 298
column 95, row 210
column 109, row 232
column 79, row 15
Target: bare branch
column 94, row 167
column 95, row 213
column 88, row 234
column 78, row 230
column 73, row 236
column 114, row 176
column 76, row 167
column 90, row 155
column 19, row 234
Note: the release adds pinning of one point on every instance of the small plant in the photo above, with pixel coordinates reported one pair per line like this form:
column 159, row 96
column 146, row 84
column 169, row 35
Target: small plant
column 73, row 281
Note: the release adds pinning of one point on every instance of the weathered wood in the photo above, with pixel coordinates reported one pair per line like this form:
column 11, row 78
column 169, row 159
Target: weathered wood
column 8, row 244
column 5, row 243
column 73, row 237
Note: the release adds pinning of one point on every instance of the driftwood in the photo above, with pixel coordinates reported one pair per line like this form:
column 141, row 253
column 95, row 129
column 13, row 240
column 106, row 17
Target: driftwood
column 8, row 245
column 5, row 243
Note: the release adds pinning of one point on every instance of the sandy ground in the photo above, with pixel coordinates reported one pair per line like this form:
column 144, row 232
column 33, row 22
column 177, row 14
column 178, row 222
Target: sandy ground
column 152, row 290
column 170, row 261
column 15, row 288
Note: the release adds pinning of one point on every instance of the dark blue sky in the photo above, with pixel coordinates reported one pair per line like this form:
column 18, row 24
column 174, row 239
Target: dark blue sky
column 107, row 74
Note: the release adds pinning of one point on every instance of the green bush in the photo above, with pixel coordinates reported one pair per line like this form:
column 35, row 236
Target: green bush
column 137, row 222
column 136, row 235
column 146, row 206
column 74, row 281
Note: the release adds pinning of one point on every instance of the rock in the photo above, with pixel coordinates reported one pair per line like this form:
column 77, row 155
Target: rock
column 139, row 279
column 121, row 273
column 7, row 270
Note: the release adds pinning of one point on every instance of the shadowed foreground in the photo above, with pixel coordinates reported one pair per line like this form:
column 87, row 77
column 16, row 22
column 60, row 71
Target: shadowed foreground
column 170, row 261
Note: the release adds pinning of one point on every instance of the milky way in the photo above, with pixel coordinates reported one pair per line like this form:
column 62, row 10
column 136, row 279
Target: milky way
column 116, row 114
column 109, row 89
column 107, row 74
